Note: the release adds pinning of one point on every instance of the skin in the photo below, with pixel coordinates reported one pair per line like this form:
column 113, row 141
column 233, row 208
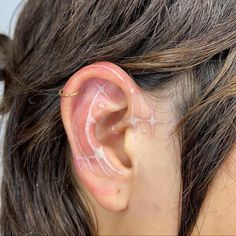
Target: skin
column 126, row 156
column 218, row 214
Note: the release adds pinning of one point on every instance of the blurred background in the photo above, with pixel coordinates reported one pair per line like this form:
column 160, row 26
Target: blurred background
column 8, row 8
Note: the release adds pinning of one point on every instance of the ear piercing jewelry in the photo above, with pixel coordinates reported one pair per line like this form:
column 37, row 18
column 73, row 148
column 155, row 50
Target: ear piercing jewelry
column 69, row 95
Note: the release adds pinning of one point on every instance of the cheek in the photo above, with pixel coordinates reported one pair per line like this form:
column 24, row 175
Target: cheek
column 153, row 153
column 157, row 158
column 151, row 142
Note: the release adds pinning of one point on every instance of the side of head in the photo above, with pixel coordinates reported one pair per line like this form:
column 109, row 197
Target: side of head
column 152, row 121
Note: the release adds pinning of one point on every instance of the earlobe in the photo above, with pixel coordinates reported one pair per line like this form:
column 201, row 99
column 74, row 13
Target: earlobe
column 95, row 120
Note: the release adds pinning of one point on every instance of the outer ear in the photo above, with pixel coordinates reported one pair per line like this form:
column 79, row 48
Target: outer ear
column 96, row 121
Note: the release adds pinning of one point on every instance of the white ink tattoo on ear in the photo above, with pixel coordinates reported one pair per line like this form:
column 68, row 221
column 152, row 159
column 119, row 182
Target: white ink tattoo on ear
column 99, row 154
column 101, row 105
column 134, row 120
column 131, row 91
column 152, row 121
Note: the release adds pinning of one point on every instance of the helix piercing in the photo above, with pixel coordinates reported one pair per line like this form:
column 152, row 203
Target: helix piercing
column 69, row 95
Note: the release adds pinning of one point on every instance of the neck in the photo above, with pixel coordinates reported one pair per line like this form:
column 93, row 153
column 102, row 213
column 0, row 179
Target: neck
column 218, row 213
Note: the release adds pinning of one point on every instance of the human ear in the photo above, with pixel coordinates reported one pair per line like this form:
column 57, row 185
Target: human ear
column 97, row 120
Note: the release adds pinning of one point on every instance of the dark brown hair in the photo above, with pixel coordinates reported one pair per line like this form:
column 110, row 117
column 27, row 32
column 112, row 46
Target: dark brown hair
column 188, row 44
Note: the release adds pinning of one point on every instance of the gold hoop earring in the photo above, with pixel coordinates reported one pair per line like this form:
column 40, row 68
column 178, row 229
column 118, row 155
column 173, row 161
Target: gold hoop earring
column 68, row 95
